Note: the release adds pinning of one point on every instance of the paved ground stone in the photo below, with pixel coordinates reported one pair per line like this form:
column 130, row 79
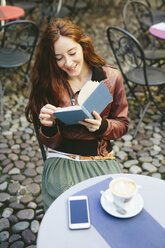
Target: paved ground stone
column 8, row 168
column 156, row 175
column 20, row 164
column 4, row 224
column 4, row 236
column 122, row 155
column 13, row 219
column 27, row 181
column 28, row 236
column 162, row 169
column 13, row 157
column 14, row 171
column 20, row 226
column 25, row 214
column 4, row 245
column 130, row 163
column 135, row 170
column 34, row 188
column 17, row 244
column 14, row 237
column 35, row 226
column 30, row 172
column 13, row 188
column 4, row 197
column 7, row 212
column 149, row 167
column 26, row 199
column 3, row 186
column 145, row 159
column 16, row 206
column 146, row 143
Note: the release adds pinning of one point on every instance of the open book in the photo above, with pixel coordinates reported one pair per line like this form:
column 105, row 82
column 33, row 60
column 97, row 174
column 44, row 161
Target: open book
column 93, row 96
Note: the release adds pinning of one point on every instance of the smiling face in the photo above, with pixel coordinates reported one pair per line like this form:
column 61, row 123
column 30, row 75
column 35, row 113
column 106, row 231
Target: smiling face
column 69, row 56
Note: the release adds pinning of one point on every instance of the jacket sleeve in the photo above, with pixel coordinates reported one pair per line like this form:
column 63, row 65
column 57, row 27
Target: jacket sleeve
column 116, row 113
column 52, row 141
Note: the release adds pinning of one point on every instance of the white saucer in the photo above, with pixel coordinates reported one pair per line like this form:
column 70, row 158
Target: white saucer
column 133, row 208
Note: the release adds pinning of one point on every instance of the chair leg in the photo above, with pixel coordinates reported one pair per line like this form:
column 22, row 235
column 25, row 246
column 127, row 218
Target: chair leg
column 152, row 98
column 1, row 98
column 141, row 118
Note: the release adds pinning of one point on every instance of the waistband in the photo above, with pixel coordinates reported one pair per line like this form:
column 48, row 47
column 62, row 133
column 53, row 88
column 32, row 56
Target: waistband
column 54, row 153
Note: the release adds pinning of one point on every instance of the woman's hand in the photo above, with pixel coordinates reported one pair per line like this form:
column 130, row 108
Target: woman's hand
column 92, row 124
column 46, row 115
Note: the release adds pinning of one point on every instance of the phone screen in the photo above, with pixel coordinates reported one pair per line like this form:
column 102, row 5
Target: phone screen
column 79, row 217
column 79, row 212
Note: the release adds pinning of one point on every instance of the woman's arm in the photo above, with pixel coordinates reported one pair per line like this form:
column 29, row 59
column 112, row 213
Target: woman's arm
column 113, row 122
column 118, row 111
column 49, row 132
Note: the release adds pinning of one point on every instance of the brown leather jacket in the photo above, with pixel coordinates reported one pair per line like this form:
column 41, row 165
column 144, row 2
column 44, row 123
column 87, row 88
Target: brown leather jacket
column 116, row 114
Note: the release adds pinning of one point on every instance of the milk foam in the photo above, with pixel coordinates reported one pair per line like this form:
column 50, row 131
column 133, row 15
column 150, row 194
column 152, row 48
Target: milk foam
column 123, row 187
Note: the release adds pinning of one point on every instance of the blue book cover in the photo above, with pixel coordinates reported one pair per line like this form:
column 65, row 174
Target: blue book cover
column 93, row 96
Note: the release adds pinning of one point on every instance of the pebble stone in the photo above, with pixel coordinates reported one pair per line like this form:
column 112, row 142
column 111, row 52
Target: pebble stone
column 20, row 226
column 25, row 214
column 3, row 186
column 4, row 224
column 4, row 236
column 20, row 157
column 14, row 237
column 7, row 212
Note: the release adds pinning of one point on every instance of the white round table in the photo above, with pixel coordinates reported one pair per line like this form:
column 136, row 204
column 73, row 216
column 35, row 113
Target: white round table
column 54, row 231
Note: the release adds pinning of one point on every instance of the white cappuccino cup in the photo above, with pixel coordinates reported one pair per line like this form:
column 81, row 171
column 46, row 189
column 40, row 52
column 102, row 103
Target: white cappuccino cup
column 123, row 190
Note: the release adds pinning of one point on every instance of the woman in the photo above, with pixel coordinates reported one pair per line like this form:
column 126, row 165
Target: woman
column 65, row 61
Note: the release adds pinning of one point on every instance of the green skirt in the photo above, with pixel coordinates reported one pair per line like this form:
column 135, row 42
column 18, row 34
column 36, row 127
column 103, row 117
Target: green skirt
column 59, row 174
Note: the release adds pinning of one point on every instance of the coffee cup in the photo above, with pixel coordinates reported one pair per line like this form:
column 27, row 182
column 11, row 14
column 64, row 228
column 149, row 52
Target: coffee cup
column 123, row 189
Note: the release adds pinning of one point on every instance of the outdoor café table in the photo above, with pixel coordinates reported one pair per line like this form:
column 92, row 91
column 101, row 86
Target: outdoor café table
column 54, row 230
column 158, row 30
column 9, row 12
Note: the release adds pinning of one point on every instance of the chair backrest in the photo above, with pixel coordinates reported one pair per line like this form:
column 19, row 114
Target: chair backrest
column 1, row 96
column 160, row 4
column 137, row 18
column 49, row 9
column 127, row 51
column 19, row 35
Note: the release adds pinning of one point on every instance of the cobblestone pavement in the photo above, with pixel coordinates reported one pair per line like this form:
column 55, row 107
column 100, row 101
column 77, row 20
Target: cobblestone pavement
column 20, row 157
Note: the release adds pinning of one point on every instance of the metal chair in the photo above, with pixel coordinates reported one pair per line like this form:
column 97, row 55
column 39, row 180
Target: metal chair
column 145, row 83
column 18, row 41
column 158, row 13
column 1, row 97
column 137, row 18
column 49, row 9
column 40, row 211
column 78, row 9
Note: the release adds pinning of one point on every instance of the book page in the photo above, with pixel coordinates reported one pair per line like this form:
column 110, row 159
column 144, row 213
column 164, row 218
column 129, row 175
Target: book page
column 69, row 108
column 86, row 91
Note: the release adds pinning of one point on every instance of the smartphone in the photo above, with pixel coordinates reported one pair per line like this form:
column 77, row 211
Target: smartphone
column 78, row 207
